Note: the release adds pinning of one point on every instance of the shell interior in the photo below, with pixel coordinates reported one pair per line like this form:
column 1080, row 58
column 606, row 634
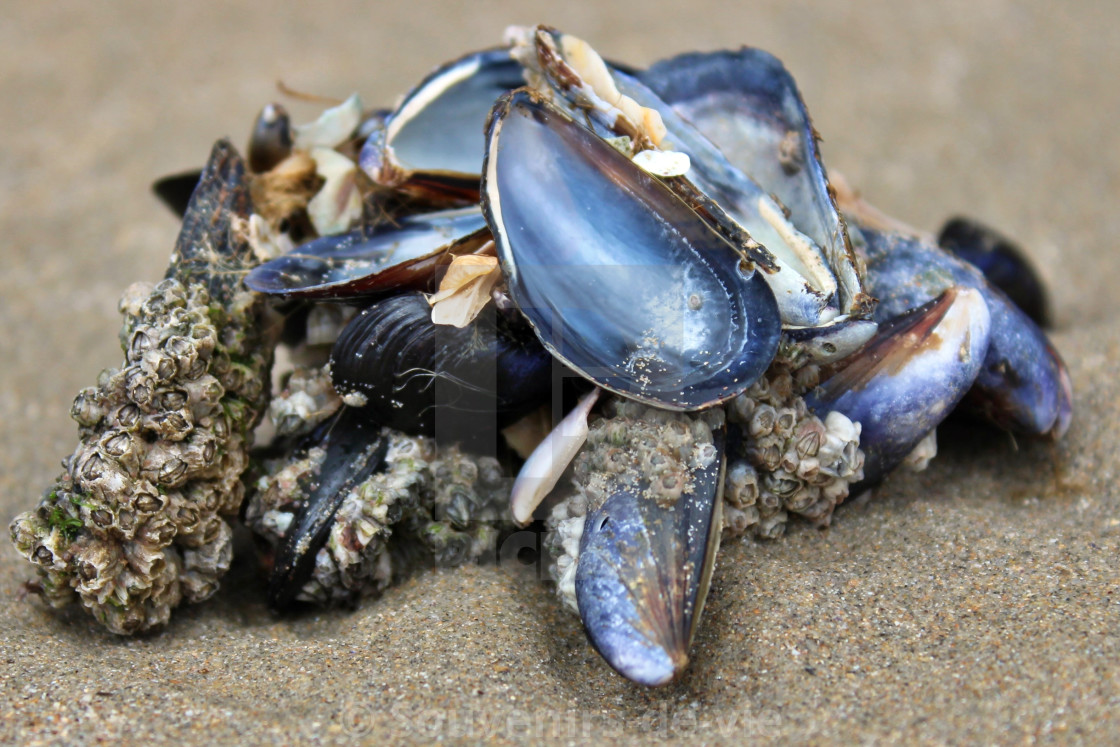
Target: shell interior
column 360, row 263
column 747, row 104
column 620, row 279
column 438, row 128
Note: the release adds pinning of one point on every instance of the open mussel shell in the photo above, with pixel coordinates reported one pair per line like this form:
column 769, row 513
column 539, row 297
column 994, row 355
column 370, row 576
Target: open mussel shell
column 614, row 104
column 355, row 450
column 908, row 377
column 397, row 368
column 621, row 280
column 1023, row 385
column 747, row 104
column 370, row 262
column 644, row 570
column 1003, row 263
column 432, row 145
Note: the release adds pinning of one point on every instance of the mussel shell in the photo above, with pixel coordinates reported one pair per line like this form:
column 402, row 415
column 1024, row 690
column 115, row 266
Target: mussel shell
column 355, row 451
column 1003, row 263
column 437, row 380
column 644, row 571
column 432, row 145
column 211, row 236
column 748, row 105
column 271, row 139
column 908, row 377
column 175, row 190
column 1023, row 385
column 365, row 263
column 620, row 279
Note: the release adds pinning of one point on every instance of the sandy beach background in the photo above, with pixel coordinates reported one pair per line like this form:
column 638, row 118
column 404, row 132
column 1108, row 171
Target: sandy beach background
column 976, row 602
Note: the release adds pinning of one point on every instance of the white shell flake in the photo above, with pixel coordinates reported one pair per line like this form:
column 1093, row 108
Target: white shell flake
column 663, row 163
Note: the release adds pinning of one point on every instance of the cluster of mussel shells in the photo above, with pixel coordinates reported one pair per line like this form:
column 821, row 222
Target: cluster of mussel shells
column 663, row 235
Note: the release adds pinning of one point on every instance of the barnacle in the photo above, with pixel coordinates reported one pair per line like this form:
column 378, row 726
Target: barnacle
column 423, row 503
column 134, row 524
column 792, row 462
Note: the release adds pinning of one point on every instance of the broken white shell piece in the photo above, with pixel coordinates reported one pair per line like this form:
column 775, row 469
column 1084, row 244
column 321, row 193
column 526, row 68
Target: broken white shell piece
column 464, row 290
column 922, row 454
column 591, row 67
column 663, row 163
column 266, row 243
column 543, row 468
column 339, row 202
column 333, row 127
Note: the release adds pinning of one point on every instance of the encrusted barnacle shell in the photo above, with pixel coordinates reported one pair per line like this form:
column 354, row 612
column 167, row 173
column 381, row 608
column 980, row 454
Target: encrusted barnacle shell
column 635, row 446
column 414, row 501
column 306, row 400
column 132, row 527
column 635, row 543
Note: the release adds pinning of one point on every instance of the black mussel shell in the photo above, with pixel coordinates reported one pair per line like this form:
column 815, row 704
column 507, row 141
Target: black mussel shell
column 460, row 384
column 1003, row 263
column 355, row 452
column 620, row 279
column 432, row 145
column 175, row 190
column 271, row 139
column 364, row 262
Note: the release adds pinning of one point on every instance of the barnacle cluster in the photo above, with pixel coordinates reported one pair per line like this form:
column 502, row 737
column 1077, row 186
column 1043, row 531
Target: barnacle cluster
column 789, row 460
column 134, row 525
column 426, row 503
column 306, row 400
column 785, row 460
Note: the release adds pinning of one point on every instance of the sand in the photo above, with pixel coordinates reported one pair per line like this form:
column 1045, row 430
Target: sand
column 976, row 602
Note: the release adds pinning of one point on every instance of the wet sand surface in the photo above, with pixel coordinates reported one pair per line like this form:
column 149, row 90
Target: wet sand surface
column 976, row 602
